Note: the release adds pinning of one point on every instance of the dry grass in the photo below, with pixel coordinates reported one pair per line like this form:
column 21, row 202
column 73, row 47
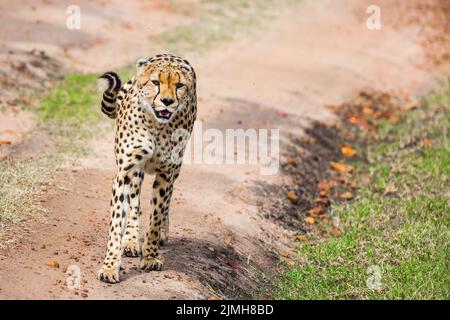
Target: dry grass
column 20, row 183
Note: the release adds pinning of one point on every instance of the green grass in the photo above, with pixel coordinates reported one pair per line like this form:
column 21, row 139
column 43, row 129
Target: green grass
column 72, row 99
column 398, row 226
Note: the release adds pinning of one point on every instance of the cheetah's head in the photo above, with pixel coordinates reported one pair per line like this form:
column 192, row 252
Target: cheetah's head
column 166, row 84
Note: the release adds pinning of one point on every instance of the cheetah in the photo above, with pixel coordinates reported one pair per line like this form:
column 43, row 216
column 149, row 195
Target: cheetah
column 155, row 113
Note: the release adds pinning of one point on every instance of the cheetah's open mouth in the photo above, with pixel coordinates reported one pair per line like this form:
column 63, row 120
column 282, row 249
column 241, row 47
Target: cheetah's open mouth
column 163, row 114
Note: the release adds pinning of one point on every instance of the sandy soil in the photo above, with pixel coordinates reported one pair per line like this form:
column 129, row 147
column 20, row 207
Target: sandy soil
column 220, row 244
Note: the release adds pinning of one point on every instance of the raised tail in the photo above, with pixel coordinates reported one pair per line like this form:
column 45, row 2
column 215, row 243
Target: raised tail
column 109, row 83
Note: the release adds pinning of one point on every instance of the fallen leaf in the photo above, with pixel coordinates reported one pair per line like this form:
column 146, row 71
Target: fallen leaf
column 409, row 106
column 284, row 254
column 335, row 232
column 341, row 168
column 310, row 220
column 324, row 186
column 322, row 202
column 27, row 100
column 291, row 161
column 348, row 152
column 301, row 237
column 53, row 264
column 362, row 124
column 354, row 184
column 392, row 118
column 323, row 193
column 425, row 142
column 293, row 197
column 347, row 195
column 316, row 211
column 367, row 111
column 5, row 142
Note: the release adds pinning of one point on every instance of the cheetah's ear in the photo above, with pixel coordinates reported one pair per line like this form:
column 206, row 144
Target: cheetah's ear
column 141, row 62
column 141, row 71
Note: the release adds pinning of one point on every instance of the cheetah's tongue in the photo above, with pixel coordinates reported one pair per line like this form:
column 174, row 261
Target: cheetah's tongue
column 164, row 113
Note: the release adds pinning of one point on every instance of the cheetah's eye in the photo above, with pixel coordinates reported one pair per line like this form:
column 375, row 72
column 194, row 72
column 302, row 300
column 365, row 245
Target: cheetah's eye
column 180, row 85
column 155, row 82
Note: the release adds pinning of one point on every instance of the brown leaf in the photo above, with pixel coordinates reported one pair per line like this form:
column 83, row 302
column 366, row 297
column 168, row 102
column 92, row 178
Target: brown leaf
column 310, row 220
column 392, row 118
column 361, row 123
column 314, row 212
column 348, row 151
column 27, row 100
column 284, row 254
column 367, row 111
column 53, row 264
column 301, row 237
column 410, row 105
column 335, row 232
column 5, row 142
column 324, row 186
column 347, row 195
column 322, row 202
column 341, row 168
column 291, row 161
column 354, row 184
column 293, row 197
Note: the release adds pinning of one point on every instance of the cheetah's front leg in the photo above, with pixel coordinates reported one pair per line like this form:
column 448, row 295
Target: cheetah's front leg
column 130, row 241
column 161, row 201
column 120, row 205
column 165, row 219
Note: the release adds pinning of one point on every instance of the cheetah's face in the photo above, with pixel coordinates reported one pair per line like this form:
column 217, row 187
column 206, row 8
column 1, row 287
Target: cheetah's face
column 163, row 88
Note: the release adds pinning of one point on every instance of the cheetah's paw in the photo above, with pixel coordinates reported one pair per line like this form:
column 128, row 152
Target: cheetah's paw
column 131, row 249
column 151, row 263
column 108, row 274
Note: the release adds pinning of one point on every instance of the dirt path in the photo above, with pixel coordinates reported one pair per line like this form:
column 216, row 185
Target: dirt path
column 219, row 244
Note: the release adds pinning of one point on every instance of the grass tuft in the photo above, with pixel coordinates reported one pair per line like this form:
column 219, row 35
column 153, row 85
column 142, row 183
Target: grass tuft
column 395, row 239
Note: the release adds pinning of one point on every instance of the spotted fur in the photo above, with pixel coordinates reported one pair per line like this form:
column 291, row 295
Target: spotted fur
column 155, row 113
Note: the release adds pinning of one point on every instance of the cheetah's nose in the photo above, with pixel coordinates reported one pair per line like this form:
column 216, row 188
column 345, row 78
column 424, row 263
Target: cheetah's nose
column 167, row 101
